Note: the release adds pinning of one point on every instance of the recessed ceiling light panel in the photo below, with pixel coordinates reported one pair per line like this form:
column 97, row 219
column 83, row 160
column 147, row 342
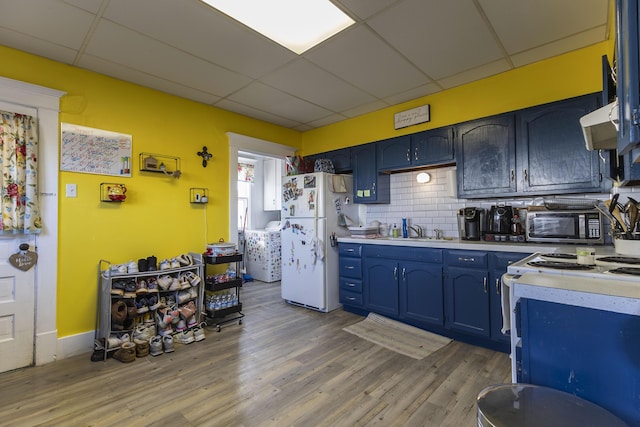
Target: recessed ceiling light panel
column 297, row 25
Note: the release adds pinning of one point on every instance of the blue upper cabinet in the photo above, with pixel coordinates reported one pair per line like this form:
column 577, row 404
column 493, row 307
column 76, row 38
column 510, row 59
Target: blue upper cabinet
column 552, row 154
column 431, row 147
column 368, row 185
column 486, row 156
column 340, row 158
column 628, row 72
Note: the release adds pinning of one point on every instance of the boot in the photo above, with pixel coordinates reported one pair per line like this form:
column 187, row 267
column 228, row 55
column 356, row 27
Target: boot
column 132, row 310
column 118, row 315
column 152, row 263
column 142, row 347
column 126, row 353
column 143, row 265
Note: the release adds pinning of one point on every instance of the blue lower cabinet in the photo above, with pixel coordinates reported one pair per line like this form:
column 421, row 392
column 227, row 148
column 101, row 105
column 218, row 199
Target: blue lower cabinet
column 381, row 286
column 421, row 297
column 467, row 300
column 590, row 353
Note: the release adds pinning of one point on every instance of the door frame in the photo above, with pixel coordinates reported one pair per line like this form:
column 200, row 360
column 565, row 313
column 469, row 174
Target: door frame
column 47, row 102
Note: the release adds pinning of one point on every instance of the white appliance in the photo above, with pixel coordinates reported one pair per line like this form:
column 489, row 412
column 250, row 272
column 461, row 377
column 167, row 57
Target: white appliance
column 312, row 207
column 600, row 128
column 262, row 254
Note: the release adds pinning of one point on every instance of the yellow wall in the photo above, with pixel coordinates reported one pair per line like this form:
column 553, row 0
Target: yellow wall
column 156, row 218
column 561, row 77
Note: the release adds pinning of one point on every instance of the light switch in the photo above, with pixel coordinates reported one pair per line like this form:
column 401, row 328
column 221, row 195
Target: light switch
column 72, row 190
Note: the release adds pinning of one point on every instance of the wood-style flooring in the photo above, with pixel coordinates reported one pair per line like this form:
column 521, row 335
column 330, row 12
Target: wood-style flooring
column 284, row 366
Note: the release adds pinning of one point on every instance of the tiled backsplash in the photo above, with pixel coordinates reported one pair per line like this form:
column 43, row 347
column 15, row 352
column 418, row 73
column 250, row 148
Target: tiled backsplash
column 434, row 205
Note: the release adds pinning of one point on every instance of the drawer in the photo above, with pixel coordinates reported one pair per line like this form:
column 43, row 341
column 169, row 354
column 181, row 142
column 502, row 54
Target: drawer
column 350, row 284
column 350, row 249
column 473, row 259
column 350, row 298
column 502, row 260
column 350, row 267
column 404, row 252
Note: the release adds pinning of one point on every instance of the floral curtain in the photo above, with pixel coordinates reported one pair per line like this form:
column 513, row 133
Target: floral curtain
column 19, row 178
column 245, row 172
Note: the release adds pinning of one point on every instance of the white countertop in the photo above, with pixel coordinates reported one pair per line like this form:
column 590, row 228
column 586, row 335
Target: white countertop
column 527, row 248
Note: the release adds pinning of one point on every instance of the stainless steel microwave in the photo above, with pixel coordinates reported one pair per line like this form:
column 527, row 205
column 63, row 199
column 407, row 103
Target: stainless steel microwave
column 564, row 226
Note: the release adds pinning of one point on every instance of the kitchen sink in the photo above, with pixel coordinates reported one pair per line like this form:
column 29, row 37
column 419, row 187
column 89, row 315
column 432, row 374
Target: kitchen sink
column 421, row 239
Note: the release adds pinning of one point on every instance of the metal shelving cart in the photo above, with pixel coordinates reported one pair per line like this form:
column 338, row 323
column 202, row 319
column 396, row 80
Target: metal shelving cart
column 224, row 312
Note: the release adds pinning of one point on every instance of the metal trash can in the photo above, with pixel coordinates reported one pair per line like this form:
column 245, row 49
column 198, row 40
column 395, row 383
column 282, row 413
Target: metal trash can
column 525, row 405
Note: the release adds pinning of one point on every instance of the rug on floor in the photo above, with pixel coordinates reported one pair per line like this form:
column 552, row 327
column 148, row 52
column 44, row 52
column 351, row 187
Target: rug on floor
column 397, row 336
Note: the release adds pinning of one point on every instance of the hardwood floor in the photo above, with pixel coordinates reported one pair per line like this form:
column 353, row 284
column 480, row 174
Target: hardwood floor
column 283, row 366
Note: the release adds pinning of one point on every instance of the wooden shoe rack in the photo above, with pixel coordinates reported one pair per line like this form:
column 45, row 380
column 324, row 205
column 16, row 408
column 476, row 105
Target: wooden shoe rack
column 106, row 280
column 225, row 313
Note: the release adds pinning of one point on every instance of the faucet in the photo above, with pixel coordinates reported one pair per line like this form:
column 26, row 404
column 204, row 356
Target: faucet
column 439, row 234
column 417, row 229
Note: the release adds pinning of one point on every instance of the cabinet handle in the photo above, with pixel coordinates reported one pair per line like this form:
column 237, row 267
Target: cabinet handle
column 525, row 175
column 350, row 250
column 484, row 282
column 395, row 273
column 351, row 298
column 415, row 153
column 497, row 286
column 513, row 175
column 408, row 154
column 349, row 267
column 373, row 188
column 351, row 285
column 404, row 274
column 466, row 259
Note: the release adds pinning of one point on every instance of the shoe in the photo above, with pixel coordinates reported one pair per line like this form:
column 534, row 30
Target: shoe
column 165, row 331
column 115, row 341
column 152, row 263
column 117, row 287
column 144, row 333
column 181, row 326
column 185, row 337
column 185, row 260
column 155, row 346
column 193, row 292
column 118, row 315
column 191, row 322
column 170, row 300
column 193, row 278
column 126, row 353
column 143, row 305
column 142, row 265
column 175, row 263
column 154, row 304
column 147, row 319
column 175, row 284
column 152, row 285
column 198, row 333
column 130, row 289
column 184, row 282
column 183, row 296
column 132, row 310
column 119, row 269
column 132, row 267
column 174, row 314
column 164, row 282
column 142, row 347
column 164, row 264
column 162, row 320
column 141, row 287
column 167, row 343
column 187, row 310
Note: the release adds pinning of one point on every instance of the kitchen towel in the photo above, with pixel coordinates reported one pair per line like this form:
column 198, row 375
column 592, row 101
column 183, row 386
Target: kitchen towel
column 397, row 336
column 505, row 302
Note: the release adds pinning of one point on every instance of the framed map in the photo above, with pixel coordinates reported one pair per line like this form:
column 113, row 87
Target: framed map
column 96, row 151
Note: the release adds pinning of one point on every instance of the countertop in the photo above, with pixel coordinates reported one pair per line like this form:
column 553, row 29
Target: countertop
column 528, row 248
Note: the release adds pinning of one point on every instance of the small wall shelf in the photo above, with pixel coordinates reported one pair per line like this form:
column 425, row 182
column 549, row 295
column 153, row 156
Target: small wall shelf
column 199, row 195
column 167, row 165
column 112, row 192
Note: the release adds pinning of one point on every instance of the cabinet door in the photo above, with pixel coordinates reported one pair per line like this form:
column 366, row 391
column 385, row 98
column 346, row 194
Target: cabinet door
column 272, row 174
column 368, row 186
column 421, row 292
column 432, row 147
column 467, row 300
column 553, row 156
column 380, row 287
column 394, row 153
column 628, row 82
column 486, row 156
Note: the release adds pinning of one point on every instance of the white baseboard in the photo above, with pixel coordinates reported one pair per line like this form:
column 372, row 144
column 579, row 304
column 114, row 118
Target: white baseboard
column 73, row 345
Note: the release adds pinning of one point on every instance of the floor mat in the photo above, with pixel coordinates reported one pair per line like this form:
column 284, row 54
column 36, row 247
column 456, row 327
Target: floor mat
column 397, row 336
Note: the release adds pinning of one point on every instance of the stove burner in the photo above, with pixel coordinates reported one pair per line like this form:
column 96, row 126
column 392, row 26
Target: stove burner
column 558, row 255
column 632, row 271
column 560, row 265
column 620, row 260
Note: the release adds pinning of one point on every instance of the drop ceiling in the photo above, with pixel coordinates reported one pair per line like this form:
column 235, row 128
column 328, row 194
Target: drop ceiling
column 397, row 51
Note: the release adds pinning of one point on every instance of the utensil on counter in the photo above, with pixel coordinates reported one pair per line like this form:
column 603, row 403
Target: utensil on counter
column 614, row 212
column 632, row 214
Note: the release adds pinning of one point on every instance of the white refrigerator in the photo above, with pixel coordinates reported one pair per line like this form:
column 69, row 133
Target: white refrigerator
column 316, row 208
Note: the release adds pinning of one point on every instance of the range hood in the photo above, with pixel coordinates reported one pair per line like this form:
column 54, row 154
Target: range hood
column 600, row 128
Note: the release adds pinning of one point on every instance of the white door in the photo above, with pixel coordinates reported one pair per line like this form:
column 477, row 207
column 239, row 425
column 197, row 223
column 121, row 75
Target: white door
column 16, row 313
column 17, row 296
column 303, row 271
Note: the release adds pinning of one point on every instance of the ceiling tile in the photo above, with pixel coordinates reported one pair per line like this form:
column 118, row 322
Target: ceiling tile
column 365, row 108
column 414, row 93
column 523, row 25
column 118, row 44
column 202, row 31
column 477, row 73
column 92, row 6
column 309, row 82
column 40, row 47
column 364, row 9
column 236, row 107
column 362, row 59
column 431, row 35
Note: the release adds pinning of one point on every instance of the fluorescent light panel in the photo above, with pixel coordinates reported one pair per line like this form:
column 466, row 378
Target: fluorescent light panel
column 297, row 25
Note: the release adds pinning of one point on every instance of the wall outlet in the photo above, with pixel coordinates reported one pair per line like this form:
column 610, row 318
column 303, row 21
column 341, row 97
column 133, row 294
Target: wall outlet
column 72, row 190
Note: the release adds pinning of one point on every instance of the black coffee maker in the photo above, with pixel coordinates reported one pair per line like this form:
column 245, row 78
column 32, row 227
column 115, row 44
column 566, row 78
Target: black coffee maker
column 500, row 220
column 471, row 223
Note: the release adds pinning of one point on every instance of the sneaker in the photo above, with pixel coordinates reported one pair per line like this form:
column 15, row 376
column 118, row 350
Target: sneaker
column 181, row 326
column 130, row 289
column 184, row 282
column 126, row 353
column 154, row 303
column 155, row 346
column 174, row 263
column 167, row 344
column 193, row 278
column 164, row 282
column 185, row 337
column 152, row 285
column 141, row 287
column 187, row 310
column 119, row 269
column 175, row 284
column 117, row 287
column 166, row 330
column 143, row 305
column 114, row 341
column 191, row 322
column 198, row 333
column 185, row 260
column 144, row 333
column 132, row 267
column 183, row 296
column 164, row 264
column 142, row 347
column 174, row 314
